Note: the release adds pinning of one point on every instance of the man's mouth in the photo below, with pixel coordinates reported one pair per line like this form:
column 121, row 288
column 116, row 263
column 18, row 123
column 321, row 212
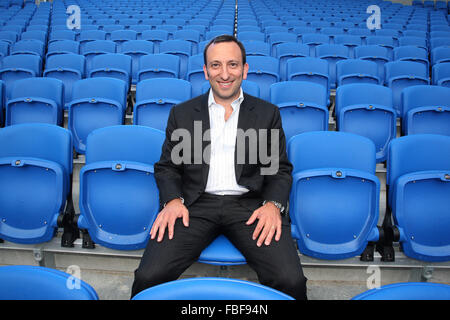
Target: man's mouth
column 225, row 84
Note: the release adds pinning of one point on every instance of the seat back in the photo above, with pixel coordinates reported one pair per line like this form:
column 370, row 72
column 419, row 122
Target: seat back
column 63, row 47
column 118, row 194
column 264, row 71
column 211, row 289
column 335, row 193
column 195, row 74
column 36, row 100
column 35, row 169
column 407, row 291
column 426, row 109
column 289, row 50
column 155, row 98
column 136, row 49
column 303, row 106
column 180, row 48
column 332, row 53
column 374, row 53
column 158, row 66
column 356, row 71
column 114, row 65
column 441, row 74
column 41, row 283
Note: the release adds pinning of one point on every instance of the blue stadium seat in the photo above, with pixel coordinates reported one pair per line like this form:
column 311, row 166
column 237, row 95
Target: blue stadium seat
column 28, row 47
column 418, row 182
column 35, row 170
column 335, row 194
column 62, row 47
column 34, row 35
column 403, row 74
column 136, row 49
column 156, row 37
column 111, row 65
column 180, row 48
column 256, row 48
column 374, row 53
column 41, row 283
column 35, row 100
column 313, row 40
column 195, row 74
column 2, row 100
column 332, row 53
column 439, row 42
column 265, row 72
column 407, row 291
column 68, row 68
column 426, row 109
column 120, row 36
column 18, row 67
column 289, row 50
column 221, row 252
column 367, row 110
column 251, row 36
column 192, row 36
column 303, row 106
column 96, row 103
column 211, row 289
column 276, row 38
column 441, row 74
column 119, row 199
column 159, row 65
column 9, row 36
column 90, row 35
column 4, row 49
column 440, row 55
column 309, row 69
column 420, row 42
column 356, row 71
column 95, row 48
column 59, row 35
column 155, row 98
column 412, row 53
column 350, row 41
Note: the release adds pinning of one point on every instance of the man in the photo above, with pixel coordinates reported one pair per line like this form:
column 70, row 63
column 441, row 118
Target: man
column 220, row 186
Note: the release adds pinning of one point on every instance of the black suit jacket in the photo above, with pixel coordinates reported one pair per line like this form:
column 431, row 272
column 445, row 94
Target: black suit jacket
column 188, row 179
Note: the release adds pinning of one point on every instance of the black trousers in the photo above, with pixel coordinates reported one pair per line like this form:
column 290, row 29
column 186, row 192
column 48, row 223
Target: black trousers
column 277, row 265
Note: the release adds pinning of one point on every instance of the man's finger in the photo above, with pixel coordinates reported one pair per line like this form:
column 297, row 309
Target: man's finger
column 252, row 217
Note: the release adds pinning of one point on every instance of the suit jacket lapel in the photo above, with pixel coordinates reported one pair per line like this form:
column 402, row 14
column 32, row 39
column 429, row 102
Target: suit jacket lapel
column 247, row 118
column 206, row 140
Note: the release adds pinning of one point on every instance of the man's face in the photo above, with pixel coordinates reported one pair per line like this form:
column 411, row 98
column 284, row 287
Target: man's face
column 225, row 71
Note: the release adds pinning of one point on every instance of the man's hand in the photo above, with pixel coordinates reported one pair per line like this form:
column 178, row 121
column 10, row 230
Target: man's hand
column 269, row 224
column 173, row 210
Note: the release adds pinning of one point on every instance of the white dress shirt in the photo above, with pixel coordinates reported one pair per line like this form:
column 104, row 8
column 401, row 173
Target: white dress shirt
column 222, row 177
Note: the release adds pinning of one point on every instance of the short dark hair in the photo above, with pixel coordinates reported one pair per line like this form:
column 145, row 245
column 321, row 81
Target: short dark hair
column 226, row 38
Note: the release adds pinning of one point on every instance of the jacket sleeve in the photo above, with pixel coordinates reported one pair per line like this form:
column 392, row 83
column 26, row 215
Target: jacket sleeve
column 168, row 175
column 278, row 180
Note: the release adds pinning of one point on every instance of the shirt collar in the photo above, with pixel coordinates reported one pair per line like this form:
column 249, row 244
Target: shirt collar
column 234, row 104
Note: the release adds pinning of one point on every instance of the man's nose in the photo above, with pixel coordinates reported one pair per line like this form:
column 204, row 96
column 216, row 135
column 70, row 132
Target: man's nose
column 224, row 74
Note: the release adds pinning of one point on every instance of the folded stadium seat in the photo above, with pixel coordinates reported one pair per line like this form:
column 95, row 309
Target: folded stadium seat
column 155, row 36
column 417, row 26
column 277, row 38
column 96, row 103
column 155, row 98
column 356, row 71
column 136, row 49
column 414, row 33
column 309, row 69
column 120, row 36
column 35, row 100
column 264, row 71
column 402, row 74
column 34, row 35
column 4, row 49
column 313, row 40
column 332, row 53
column 35, row 47
column 2, row 100
column 303, row 106
column 158, row 65
column 440, row 55
column 68, row 68
column 407, row 291
column 41, row 283
column 96, row 47
column 375, row 53
column 418, row 183
column 195, row 74
column 251, row 36
column 391, row 33
column 441, row 74
column 366, row 109
column 62, row 47
column 119, row 199
column 426, row 109
column 249, row 87
column 350, row 41
column 180, row 48
column 90, row 35
column 111, row 65
column 20, row 66
column 171, row 28
column 412, row 53
column 35, row 184
column 360, row 32
column 439, row 42
column 9, row 36
column 289, row 50
column 192, row 36
column 301, row 30
column 335, row 194
column 332, row 33
column 211, row 289
column 383, row 41
column 256, row 48
column 439, row 34
column 111, row 28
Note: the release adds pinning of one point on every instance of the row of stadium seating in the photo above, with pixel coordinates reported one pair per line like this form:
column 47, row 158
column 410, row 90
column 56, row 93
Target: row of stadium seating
column 334, row 177
column 40, row 283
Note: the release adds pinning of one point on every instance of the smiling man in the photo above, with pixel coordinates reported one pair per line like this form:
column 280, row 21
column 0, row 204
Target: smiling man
column 202, row 199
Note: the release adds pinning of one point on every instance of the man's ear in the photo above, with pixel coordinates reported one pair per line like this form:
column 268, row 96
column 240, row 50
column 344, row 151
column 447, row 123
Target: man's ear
column 205, row 72
column 244, row 74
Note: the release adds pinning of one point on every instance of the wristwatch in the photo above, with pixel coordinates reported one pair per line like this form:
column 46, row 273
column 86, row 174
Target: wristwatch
column 277, row 204
column 181, row 198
